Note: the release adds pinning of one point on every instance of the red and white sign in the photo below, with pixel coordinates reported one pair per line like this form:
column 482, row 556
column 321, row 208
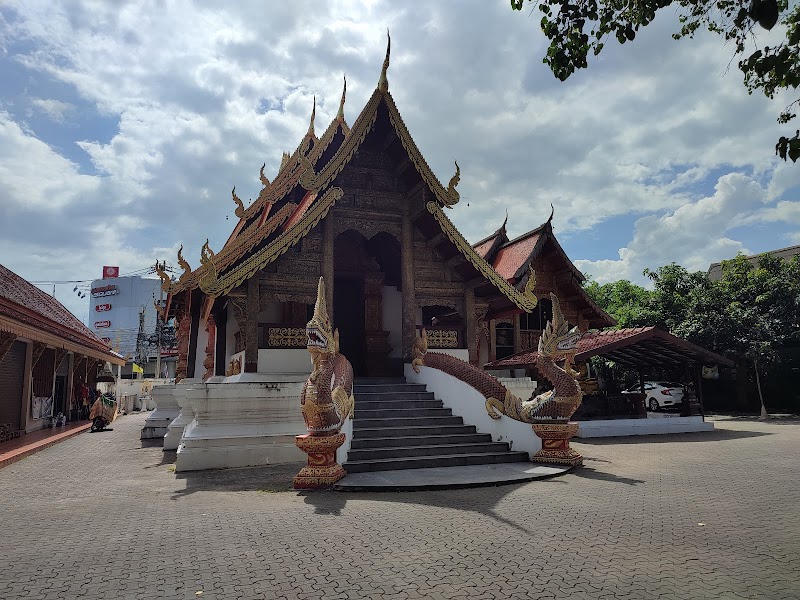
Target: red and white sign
column 110, row 272
column 101, row 324
column 106, row 340
column 106, row 290
column 102, row 307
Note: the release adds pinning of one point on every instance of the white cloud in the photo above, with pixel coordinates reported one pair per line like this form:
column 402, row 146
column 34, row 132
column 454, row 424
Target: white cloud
column 56, row 110
column 693, row 235
column 203, row 96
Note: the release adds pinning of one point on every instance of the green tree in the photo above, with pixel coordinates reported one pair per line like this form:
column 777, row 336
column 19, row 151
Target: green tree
column 577, row 28
column 627, row 302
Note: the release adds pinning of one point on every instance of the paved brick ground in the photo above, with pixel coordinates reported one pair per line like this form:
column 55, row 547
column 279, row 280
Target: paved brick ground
column 98, row 516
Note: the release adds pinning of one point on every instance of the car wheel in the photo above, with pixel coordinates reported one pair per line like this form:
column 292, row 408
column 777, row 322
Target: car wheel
column 654, row 404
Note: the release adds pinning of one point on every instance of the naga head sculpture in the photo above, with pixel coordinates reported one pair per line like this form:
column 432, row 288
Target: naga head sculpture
column 558, row 340
column 321, row 339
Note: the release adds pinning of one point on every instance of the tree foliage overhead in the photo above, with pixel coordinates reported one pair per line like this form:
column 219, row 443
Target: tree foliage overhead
column 750, row 313
column 576, row 28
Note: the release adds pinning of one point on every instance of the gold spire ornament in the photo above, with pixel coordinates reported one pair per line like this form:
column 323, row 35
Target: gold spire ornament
column 166, row 282
column 452, row 194
column 239, row 204
column 184, row 265
column 262, row 177
column 209, row 278
column 340, row 114
column 383, row 82
column 284, row 159
column 313, row 117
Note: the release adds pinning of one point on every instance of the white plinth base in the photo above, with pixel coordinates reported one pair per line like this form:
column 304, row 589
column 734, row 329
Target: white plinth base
column 166, row 411
column 243, row 424
column 625, row 427
column 172, row 439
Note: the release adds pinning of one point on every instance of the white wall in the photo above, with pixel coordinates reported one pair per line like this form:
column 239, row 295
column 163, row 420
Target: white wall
column 284, row 360
column 393, row 319
column 468, row 403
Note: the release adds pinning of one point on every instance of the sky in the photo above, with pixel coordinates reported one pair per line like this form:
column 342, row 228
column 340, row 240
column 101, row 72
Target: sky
column 124, row 126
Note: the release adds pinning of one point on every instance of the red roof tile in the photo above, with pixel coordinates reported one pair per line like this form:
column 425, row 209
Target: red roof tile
column 50, row 314
column 483, row 247
column 513, row 255
column 305, row 204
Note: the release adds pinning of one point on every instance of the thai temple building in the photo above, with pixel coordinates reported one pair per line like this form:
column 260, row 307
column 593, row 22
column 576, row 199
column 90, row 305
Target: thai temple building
column 360, row 206
column 346, row 289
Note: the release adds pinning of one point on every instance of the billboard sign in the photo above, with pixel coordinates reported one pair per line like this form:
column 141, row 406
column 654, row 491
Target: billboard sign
column 110, row 272
column 102, row 307
column 101, row 324
column 106, row 290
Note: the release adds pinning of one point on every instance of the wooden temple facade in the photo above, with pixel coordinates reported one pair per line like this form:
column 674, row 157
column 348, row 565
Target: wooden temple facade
column 360, row 206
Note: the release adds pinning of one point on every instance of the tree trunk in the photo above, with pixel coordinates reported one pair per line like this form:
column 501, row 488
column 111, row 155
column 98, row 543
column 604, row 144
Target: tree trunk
column 764, row 414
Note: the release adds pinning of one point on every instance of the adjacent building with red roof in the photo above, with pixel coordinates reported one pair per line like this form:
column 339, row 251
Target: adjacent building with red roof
column 45, row 351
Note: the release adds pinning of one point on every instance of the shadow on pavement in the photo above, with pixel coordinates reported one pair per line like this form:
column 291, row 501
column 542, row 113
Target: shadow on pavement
column 718, row 435
column 155, row 443
column 779, row 419
column 590, row 473
column 275, row 478
column 168, row 457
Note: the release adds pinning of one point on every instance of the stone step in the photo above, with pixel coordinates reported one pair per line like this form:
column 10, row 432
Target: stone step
column 427, row 450
column 394, row 396
column 388, row 388
column 397, row 404
column 394, row 423
column 399, row 413
column 420, row 440
column 411, row 431
column 379, row 380
column 425, row 462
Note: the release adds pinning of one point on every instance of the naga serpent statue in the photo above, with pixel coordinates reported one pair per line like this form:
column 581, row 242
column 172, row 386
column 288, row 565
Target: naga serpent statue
column 558, row 342
column 327, row 397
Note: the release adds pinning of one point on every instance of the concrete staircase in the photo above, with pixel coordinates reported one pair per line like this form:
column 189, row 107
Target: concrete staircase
column 399, row 425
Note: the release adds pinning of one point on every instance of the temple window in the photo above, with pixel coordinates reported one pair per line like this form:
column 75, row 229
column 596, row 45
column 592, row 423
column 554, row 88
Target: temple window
column 504, row 340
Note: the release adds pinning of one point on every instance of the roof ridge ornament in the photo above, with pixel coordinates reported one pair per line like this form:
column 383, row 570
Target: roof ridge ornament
column 166, row 282
column 209, row 278
column 340, row 114
column 383, row 82
column 503, row 226
column 527, row 291
column 284, row 159
column 184, row 265
column 552, row 212
column 313, row 117
column 239, row 204
column 263, row 177
column 452, row 194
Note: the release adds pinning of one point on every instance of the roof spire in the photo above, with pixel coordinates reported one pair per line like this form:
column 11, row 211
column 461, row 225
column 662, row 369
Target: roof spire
column 313, row 116
column 383, row 83
column 552, row 212
column 264, row 180
column 503, row 226
column 340, row 114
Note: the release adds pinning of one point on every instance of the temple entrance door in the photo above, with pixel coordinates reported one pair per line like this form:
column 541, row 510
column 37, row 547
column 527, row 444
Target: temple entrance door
column 348, row 310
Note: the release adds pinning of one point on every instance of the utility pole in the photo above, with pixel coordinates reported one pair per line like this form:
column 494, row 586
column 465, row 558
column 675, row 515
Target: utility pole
column 159, row 322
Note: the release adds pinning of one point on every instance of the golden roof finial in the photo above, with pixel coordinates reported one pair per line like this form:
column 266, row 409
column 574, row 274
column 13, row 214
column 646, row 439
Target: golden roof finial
column 552, row 212
column 284, row 159
column 183, row 263
column 313, row 116
column 340, row 114
column 452, row 194
column 239, row 204
column 263, row 177
column 383, row 82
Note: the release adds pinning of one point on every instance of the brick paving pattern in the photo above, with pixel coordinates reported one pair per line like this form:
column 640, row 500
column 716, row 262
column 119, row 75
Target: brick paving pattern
column 99, row 516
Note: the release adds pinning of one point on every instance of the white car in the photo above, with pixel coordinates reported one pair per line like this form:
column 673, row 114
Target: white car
column 660, row 394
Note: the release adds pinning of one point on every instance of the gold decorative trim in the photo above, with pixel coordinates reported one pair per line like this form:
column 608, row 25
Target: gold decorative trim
column 239, row 204
column 383, row 82
column 442, row 338
column 209, row 277
column 187, row 270
column 340, row 114
column 262, row 177
column 286, row 337
column 452, row 194
column 166, row 282
column 523, row 301
column 277, row 247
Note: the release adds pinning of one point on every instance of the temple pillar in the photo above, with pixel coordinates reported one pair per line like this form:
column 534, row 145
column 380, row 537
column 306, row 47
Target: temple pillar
column 252, row 308
column 157, row 423
column 472, row 328
column 517, row 334
column 328, row 239
column 208, row 362
column 407, row 280
column 492, row 340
